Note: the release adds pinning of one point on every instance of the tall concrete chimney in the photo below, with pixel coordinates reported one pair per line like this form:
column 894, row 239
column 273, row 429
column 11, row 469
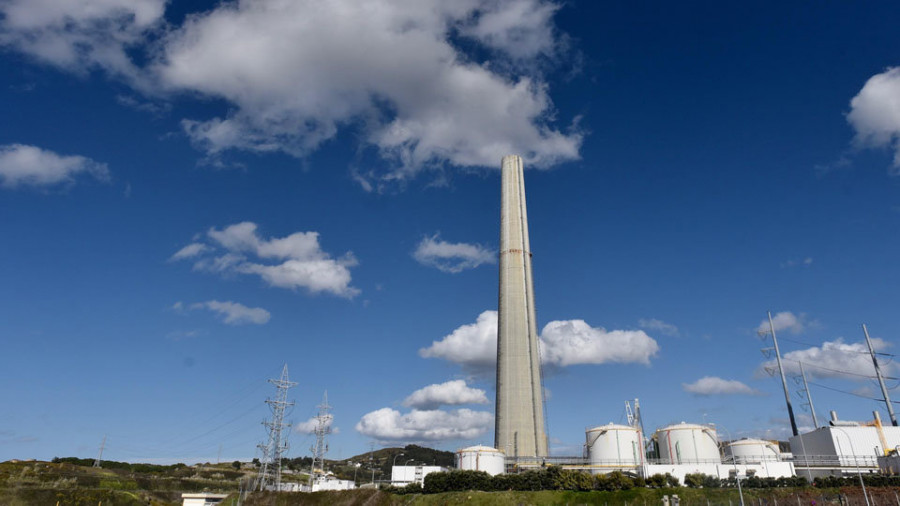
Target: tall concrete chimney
column 520, row 399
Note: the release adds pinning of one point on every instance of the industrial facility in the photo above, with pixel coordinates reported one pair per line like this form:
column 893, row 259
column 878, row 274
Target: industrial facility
column 840, row 448
column 837, row 449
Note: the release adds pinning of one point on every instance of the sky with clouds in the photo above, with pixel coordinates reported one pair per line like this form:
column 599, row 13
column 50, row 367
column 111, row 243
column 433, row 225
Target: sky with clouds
column 194, row 194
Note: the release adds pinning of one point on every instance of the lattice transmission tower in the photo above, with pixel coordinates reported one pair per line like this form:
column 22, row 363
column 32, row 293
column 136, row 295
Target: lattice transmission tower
column 277, row 446
column 320, row 448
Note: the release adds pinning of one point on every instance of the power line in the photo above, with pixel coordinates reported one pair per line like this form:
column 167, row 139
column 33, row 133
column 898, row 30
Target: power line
column 804, row 343
column 845, row 372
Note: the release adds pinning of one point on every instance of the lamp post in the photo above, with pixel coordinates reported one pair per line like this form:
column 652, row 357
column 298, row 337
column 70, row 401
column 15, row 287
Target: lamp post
column 408, row 461
column 737, row 476
column 855, row 460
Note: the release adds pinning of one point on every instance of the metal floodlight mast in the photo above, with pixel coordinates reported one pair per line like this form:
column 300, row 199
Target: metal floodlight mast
column 787, row 397
column 884, row 391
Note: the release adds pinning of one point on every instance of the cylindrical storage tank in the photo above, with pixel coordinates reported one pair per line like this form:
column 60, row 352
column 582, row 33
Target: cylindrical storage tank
column 688, row 443
column 752, row 451
column 613, row 447
column 481, row 458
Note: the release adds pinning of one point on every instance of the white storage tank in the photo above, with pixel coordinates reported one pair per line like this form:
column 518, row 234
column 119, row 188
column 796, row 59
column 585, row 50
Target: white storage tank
column 481, row 458
column 613, row 447
column 752, row 451
column 688, row 443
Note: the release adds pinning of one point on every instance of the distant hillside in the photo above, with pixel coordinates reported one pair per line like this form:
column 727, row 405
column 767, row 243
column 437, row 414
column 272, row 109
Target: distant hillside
column 359, row 467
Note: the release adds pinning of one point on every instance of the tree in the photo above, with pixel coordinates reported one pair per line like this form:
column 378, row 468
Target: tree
column 236, row 464
column 255, row 461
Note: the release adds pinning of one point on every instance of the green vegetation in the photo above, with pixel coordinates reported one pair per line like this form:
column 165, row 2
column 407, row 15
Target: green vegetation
column 72, row 481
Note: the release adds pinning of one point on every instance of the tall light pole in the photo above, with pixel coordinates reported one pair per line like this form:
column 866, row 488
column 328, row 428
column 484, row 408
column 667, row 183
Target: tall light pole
column 737, row 476
column 884, row 391
column 787, row 397
column 855, row 459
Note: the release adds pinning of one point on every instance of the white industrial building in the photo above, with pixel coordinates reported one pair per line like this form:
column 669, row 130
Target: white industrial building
column 202, row 499
column 843, row 447
column 328, row 482
column 402, row 476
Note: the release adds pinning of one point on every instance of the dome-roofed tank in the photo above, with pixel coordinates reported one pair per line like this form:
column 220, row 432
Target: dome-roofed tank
column 613, row 447
column 481, row 458
column 685, row 443
column 751, row 451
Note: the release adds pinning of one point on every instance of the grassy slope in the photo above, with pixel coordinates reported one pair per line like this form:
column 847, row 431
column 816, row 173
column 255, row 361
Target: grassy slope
column 34, row 482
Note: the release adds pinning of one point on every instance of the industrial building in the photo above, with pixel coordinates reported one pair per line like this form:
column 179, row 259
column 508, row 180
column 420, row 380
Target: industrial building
column 402, row 476
column 845, row 448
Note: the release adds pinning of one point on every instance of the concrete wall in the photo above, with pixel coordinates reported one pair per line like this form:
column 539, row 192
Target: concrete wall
column 762, row 470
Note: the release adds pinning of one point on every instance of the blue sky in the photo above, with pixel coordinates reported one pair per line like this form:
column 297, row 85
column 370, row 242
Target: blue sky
column 195, row 193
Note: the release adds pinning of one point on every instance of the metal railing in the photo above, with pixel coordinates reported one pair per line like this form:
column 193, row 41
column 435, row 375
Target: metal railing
column 804, row 461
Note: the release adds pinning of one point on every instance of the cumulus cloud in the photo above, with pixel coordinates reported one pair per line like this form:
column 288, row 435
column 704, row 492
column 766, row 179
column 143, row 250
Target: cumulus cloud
column 309, row 426
column 785, row 320
column 563, row 343
column 452, row 257
column 473, row 345
column 405, row 76
column 830, row 359
column 572, row 342
column 234, row 313
column 388, row 424
column 658, row 325
column 711, row 385
column 23, row 165
column 295, row 261
column 388, row 66
column 79, row 35
column 450, row 393
column 875, row 113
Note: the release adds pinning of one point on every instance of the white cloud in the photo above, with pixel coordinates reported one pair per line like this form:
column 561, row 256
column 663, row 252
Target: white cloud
column 30, row 165
column 388, row 424
column 711, row 385
column 449, row 393
column 658, row 325
column 388, row 68
column 805, row 262
column 303, row 263
column 572, row 342
column 828, row 360
column 80, row 34
column 875, row 113
column 234, row 313
column 785, row 320
column 521, row 28
column 563, row 343
column 473, row 346
column 452, row 257
column 394, row 71
column 190, row 251
column 309, row 426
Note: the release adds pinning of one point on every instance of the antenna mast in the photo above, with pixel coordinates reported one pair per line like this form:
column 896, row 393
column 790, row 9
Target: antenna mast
column 884, row 392
column 323, row 428
column 270, row 471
